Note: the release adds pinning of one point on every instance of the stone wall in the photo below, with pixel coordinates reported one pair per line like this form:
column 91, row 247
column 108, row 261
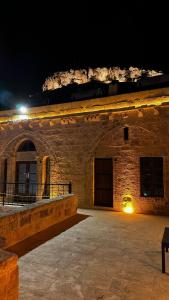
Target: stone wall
column 21, row 224
column 9, row 279
column 74, row 134
column 27, row 221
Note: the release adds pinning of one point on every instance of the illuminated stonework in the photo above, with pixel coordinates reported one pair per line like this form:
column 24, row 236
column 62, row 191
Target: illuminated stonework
column 73, row 134
column 106, row 75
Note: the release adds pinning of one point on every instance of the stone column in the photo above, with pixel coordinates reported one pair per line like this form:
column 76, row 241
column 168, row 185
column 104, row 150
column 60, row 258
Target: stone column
column 39, row 178
column 2, row 161
column 11, row 169
column 11, row 176
column 88, row 200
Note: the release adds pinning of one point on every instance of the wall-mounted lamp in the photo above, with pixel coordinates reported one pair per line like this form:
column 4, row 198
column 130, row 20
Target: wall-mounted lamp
column 23, row 109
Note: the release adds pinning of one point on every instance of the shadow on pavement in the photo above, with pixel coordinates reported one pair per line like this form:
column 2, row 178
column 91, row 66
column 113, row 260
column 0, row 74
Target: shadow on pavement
column 41, row 237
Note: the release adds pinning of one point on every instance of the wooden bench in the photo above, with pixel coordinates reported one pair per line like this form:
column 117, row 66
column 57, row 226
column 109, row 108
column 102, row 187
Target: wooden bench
column 164, row 246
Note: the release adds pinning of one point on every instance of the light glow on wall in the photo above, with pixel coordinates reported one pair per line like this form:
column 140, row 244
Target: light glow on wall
column 128, row 208
column 22, row 117
column 127, row 205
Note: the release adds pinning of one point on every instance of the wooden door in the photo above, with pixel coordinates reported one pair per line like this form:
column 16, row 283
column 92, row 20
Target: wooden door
column 103, row 192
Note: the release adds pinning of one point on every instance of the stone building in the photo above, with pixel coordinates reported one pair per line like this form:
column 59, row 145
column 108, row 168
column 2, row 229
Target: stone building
column 110, row 149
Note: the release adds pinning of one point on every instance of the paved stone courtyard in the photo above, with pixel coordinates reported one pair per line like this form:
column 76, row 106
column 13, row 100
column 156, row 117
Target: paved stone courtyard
column 107, row 256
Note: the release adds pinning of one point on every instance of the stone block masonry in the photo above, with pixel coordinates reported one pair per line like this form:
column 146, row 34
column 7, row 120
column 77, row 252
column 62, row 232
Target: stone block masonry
column 9, row 279
column 20, row 225
column 17, row 226
column 73, row 134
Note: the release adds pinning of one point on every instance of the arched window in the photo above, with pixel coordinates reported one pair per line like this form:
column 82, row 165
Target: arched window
column 26, row 146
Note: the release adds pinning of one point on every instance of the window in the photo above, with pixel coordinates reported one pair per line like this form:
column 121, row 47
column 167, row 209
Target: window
column 126, row 133
column 151, row 177
column 26, row 146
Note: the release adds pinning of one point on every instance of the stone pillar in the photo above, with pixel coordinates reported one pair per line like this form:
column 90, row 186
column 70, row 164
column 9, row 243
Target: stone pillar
column 88, row 200
column 11, row 169
column 11, row 176
column 2, row 160
column 54, row 177
column 2, row 169
column 39, row 178
column 9, row 277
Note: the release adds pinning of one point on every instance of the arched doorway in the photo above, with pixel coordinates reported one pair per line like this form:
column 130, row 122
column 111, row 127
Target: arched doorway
column 22, row 168
column 26, row 170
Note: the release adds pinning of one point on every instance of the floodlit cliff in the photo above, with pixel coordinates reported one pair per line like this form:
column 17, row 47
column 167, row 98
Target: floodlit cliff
column 106, row 75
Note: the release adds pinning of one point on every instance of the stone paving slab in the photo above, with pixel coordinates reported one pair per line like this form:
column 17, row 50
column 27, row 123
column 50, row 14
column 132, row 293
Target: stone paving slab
column 107, row 256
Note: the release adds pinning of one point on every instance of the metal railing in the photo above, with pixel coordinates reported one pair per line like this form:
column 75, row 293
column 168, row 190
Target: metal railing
column 26, row 193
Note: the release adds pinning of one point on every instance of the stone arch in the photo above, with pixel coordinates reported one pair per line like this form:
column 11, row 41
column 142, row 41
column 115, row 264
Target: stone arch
column 150, row 137
column 105, row 146
column 9, row 153
column 12, row 145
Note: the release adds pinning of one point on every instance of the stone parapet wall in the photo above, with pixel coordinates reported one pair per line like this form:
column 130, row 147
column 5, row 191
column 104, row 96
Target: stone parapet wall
column 17, row 226
column 114, row 103
column 9, row 278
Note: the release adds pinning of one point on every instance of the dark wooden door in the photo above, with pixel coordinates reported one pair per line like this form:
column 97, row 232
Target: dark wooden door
column 103, row 195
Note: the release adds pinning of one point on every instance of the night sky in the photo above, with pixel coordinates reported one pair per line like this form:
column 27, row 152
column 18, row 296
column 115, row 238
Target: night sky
column 37, row 41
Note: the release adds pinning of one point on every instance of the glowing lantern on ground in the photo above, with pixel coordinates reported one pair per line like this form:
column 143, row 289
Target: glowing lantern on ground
column 127, row 205
column 128, row 208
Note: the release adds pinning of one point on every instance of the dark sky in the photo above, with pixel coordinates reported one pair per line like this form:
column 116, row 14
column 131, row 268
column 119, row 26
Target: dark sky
column 37, row 41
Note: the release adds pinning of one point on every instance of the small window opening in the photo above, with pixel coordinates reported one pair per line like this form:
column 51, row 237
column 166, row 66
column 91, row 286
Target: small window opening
column 126, row 133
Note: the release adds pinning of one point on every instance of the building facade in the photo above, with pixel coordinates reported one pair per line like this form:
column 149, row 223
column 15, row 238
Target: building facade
column 110, row 149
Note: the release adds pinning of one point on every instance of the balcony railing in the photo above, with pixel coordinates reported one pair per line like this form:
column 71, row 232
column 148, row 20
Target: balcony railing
column 19, row 193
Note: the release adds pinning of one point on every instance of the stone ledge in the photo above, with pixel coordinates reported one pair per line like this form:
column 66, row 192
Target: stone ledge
column 27, row 221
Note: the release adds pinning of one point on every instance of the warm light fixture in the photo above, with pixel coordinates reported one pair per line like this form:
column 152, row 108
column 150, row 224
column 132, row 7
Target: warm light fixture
column 22, row 113
column 128, row 208
column 127, row 205
column 23, row 117
column 23, row 109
